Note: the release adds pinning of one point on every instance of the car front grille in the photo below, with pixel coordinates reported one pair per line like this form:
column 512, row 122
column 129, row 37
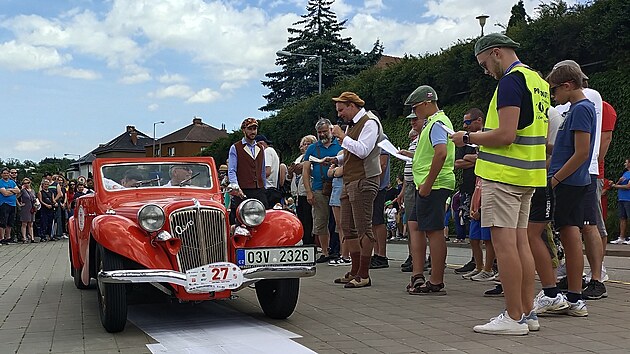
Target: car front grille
column 203, row 234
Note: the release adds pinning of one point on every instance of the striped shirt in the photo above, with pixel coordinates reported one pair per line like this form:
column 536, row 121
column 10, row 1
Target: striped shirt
column 408, row 166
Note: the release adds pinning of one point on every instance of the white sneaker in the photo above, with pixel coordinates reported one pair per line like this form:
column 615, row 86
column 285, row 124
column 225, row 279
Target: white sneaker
column 605, row 277
column 532, row 321
column 471, row 274
column 626, row 242
column 543, row 303
column 483, row 276
column 577, row 309
column 618, row 241
column 504, row 324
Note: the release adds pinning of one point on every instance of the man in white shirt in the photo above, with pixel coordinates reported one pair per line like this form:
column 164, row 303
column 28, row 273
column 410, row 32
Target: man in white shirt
column 272, row 168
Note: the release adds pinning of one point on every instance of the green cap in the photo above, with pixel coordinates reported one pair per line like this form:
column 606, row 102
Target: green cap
column 494, row 40
column 388, row 203
column 412, row 115
column 421, row 94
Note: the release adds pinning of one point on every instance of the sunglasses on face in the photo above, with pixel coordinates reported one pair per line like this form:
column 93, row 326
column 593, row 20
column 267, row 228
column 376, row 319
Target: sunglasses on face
column 468, row 122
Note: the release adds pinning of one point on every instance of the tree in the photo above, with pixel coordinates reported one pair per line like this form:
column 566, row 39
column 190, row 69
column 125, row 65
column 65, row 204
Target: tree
column 519, row 15
column 320, row 36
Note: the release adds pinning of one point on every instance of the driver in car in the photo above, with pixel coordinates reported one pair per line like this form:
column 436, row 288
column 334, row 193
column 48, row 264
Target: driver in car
column 179, row 174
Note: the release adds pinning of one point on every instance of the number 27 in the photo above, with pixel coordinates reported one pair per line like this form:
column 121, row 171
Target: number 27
column 219, row 273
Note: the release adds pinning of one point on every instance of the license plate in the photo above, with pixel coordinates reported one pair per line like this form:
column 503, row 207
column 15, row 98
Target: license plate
column 214, row 277
column 248, row 257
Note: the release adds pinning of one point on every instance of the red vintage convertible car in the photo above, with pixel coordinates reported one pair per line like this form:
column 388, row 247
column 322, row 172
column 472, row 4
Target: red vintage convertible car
column 161, row 221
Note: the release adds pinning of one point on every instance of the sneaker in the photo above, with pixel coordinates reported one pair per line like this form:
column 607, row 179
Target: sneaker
column 531, row 321
column 483, row 276
column 64, row 237
column 604, row 273
column 466, row 268
column 627, row 241
column 495, row 292
column 343, row 261
column 334, row 261
column 577, row 309
column 544, row 304
column 407, row 269
column 322, row 259
column 504, row 324
column 379, row 262
column 407, row 262
column 618, row 241
column 595, row 290
column 471, row 274
column 563, row 284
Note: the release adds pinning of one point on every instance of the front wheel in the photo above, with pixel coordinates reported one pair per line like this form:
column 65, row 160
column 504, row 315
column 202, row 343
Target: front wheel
column 112, row 298
column 278, row 297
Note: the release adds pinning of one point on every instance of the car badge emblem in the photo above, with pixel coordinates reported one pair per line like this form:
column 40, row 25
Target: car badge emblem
column 181, row 229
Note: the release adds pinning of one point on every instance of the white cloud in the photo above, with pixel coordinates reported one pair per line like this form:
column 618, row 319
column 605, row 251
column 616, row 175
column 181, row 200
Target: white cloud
column 73, row 73
column 373, row 5
column 33, row 145
column 153, row 107
column 231, row 85
column 135, row 78
column 181, row 91
column 204, row 96
column 22, row 56
column 171, row 78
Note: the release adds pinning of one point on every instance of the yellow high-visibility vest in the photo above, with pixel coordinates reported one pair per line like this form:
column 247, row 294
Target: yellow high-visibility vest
column 521, row 163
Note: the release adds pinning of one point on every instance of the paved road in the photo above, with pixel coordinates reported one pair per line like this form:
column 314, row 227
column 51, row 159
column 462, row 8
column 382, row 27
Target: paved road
column 42, row 312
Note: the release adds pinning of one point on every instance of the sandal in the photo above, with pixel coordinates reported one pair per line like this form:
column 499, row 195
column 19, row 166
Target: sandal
column 416, row 281
column 428, row 289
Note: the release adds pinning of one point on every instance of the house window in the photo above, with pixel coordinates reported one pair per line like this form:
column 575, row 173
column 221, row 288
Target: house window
column 171, row 151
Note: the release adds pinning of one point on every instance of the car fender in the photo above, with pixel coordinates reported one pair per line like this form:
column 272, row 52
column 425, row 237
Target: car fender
column 122, row 236
column 280, row 228
column 75, row 258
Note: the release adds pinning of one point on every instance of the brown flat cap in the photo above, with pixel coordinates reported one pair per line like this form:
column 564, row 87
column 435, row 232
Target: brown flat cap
column 350, row 97
column 248, row 122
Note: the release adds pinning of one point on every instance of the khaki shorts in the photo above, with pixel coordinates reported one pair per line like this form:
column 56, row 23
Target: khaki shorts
column 321, row 213
column 505, row 205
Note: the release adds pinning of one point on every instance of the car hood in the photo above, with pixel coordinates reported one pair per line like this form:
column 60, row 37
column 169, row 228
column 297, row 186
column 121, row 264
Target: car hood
column 130, row 208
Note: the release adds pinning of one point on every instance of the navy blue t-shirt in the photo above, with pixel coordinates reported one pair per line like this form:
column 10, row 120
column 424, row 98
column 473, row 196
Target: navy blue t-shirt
column 580, row 117
column 512, row 91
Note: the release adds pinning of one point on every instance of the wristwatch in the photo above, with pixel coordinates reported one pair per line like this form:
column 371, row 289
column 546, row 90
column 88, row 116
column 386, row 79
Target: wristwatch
column 466, row 138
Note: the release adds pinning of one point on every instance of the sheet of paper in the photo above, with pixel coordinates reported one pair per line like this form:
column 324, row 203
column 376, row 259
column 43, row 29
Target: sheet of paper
column 392, row 150
column 315, row 159
column 450, row 132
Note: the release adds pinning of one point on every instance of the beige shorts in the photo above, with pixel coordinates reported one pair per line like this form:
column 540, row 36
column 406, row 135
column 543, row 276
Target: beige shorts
column 505, row 205
column 321, row 213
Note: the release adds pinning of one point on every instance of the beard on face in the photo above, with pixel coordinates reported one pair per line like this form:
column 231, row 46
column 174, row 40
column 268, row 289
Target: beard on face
column 324, row 138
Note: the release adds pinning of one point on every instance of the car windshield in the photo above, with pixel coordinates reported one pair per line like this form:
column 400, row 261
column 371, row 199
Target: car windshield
column 156, row 175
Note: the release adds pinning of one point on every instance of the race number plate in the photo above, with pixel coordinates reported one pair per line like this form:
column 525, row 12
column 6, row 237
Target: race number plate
column 250, row 257
column 214, row 277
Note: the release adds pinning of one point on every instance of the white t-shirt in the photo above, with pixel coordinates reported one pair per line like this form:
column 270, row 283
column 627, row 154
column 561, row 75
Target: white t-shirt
column 297, row 183
column 596, row 98
column 391, row 214
column 555, row 120
column 272, row 160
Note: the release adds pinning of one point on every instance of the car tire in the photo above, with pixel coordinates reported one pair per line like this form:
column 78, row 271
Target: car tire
column 278, row 297
column 76, row 273
column 112, row 298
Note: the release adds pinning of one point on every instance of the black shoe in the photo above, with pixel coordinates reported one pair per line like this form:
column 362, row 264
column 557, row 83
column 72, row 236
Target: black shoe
column 322, row 259
column 407, row 269
column 466, row 268
column 563, row 284
column 595, row 290
column 497, row 291
column 407, row 262
column 378, row 262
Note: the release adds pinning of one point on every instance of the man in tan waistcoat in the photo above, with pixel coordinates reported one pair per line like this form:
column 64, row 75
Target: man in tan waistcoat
column 361, row 181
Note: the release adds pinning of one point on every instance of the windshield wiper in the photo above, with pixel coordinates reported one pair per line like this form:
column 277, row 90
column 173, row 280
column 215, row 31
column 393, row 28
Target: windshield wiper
column 146, row 181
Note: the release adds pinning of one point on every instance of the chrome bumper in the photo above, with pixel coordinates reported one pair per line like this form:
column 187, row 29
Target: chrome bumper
column 250, row 275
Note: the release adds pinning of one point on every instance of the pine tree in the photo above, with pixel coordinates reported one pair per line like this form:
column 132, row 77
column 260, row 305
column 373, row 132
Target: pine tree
column 320, row 36
column 519, row 15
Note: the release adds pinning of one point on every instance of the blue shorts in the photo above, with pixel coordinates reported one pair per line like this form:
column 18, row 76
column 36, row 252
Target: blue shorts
column 337, row 186
column 477, row 232
column 624, row 209
column 447, row 217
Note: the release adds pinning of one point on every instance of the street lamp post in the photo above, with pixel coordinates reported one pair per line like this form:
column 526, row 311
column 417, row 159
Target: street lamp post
column 78, row 160
column 284, row 53
column 154, row 124
column 482, row 21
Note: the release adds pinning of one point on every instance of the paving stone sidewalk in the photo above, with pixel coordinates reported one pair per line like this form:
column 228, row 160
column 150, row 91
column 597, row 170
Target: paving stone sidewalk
column 42, row 312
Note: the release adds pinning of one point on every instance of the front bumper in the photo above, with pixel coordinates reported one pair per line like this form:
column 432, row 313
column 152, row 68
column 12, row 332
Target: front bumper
column 250, row 275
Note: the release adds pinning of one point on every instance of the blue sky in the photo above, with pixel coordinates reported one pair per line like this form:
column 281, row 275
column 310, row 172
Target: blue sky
column 75, row 73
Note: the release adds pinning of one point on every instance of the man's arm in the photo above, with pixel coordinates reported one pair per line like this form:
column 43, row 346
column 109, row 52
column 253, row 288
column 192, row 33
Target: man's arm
column 580, row 155
column 232, row 163
column 605, row 144
column 437, row 163
column 365, row 142
column 502, row 135
column 384, row 160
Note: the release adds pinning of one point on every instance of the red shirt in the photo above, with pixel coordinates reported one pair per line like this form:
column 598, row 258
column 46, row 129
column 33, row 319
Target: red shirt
column 609, row 118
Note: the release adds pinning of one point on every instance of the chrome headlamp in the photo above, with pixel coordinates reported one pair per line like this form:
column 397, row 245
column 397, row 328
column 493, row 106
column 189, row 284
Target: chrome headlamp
column 251, row 212
column 151, row 217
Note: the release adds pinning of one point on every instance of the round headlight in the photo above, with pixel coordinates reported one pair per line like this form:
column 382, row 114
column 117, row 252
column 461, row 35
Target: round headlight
column 151, row 217
column 251, row 212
